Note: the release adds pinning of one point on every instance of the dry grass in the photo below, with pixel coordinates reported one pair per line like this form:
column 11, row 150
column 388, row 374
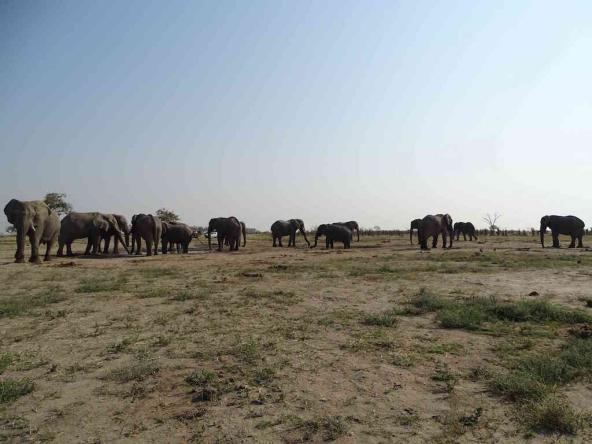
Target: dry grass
column 378, row 343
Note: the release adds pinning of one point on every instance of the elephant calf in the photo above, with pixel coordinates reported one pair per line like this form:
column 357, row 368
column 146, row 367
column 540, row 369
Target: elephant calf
column 177, row 233
column 465, row 228
column 332, row 233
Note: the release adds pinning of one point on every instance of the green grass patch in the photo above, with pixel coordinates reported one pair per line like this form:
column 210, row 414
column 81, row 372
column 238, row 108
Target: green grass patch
column 12, row 389
column 555, row 415
column 100, row 285
column 5, row 360
column 23, row 304
column 385, row 319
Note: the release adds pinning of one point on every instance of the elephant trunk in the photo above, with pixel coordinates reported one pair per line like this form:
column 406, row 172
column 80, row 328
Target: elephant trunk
column 411, row 235
column 124, row 242
column 21, row 232
column 209, row 238
column 358, row 231
column 303, row 231
column 127, row 239
column 451, row 233
column 316, row 240
column 244, row 228
column 543, row 229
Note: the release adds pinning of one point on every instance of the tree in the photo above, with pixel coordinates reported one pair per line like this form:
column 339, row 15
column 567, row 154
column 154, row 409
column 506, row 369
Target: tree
column 56, row 202
column 492, row 221
column 167, row 216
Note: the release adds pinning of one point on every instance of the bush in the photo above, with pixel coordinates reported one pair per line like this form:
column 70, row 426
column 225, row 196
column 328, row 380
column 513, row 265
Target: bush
column 554, row 415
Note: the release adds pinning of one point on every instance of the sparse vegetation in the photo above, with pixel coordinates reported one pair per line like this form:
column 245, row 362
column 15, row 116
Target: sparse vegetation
column 12, row 389
column 309, row 351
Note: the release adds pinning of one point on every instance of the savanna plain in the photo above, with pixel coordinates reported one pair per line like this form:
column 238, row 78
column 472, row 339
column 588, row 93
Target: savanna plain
column 486, row 342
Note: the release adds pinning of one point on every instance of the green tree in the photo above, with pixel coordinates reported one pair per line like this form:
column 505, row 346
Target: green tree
column 56, row 201
column 167, row 216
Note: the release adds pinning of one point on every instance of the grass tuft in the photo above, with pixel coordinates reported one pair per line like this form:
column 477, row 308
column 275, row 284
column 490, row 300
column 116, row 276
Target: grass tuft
column 12, row 389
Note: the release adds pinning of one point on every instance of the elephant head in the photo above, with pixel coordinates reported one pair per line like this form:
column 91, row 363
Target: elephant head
column 544, row 224
column 321, row 231
column 108, row 222
column 212, row 226
column 447, row 220
column 298, row 224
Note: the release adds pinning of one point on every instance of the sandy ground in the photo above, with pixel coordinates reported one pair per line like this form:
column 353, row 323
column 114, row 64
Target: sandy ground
column 271, row 344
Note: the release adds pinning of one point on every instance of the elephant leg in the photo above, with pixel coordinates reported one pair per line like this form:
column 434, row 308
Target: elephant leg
column 435, row 241
column 464, row 236
column 34, row 239
column 156, row 247
column 444, row 239
column 60, row 249
column 138, row 245
column 280, row 239
column 274, row 241
column 148, row 247
column 580, row 242
column 573, row 242
column 49, row 245
column 69, row 249
column 88, row 245
column 555, row 240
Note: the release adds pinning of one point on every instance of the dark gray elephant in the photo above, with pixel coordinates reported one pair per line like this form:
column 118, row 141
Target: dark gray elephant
column 289, row 228
column 414, row 226
column 465, row 228
column 178, row 234
column 332, row 233
column 90, row 226
column 106, row 237
column 433, row 226
column 36, row 220
column 352, row 225
column 568, row 225
column 149, row 228
column 227, row 229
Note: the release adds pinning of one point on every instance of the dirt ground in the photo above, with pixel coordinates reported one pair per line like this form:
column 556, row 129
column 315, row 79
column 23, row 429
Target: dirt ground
column 276, row 344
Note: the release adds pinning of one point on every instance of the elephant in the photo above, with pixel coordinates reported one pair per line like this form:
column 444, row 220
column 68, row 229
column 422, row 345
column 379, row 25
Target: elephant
column 434, row 225
column 332, row 233
column 351, row 225
column 177, row 233
column 149, row 228
column 90, row 226
column 569, row 225
column 244, row 234
column 123, row 227
column 226, row 228
column 465, row 228
column 289, row 228
column 36, row 220
column 414, row 226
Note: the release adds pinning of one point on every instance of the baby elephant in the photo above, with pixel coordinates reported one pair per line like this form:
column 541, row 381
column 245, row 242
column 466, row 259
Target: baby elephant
column 333, row 232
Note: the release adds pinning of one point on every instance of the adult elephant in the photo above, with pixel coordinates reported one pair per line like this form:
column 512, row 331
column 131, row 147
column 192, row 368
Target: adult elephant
column 332, row 233
column 90, row 226
column 106, row 237
column 288, row 228
column 414, row 226
column 569, row 225
column 178, row 234
column 35, row 220
column 149, row 228
column 465, row 228
column 351, row 225
column 226, row 228
column 433, row 226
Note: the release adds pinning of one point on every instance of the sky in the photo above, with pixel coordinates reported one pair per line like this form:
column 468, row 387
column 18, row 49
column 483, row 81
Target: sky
column 375, row 111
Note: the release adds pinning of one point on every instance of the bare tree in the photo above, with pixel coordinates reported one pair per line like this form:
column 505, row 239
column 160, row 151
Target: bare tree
column 491, row 221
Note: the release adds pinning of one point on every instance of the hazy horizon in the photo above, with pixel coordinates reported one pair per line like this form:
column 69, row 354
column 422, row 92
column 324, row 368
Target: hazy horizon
column 379, row 111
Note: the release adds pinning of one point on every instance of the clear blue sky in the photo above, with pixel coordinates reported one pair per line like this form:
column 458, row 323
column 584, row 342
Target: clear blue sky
column 379, row 111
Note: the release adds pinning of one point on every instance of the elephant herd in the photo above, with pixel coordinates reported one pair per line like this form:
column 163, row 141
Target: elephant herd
column 41, row 225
